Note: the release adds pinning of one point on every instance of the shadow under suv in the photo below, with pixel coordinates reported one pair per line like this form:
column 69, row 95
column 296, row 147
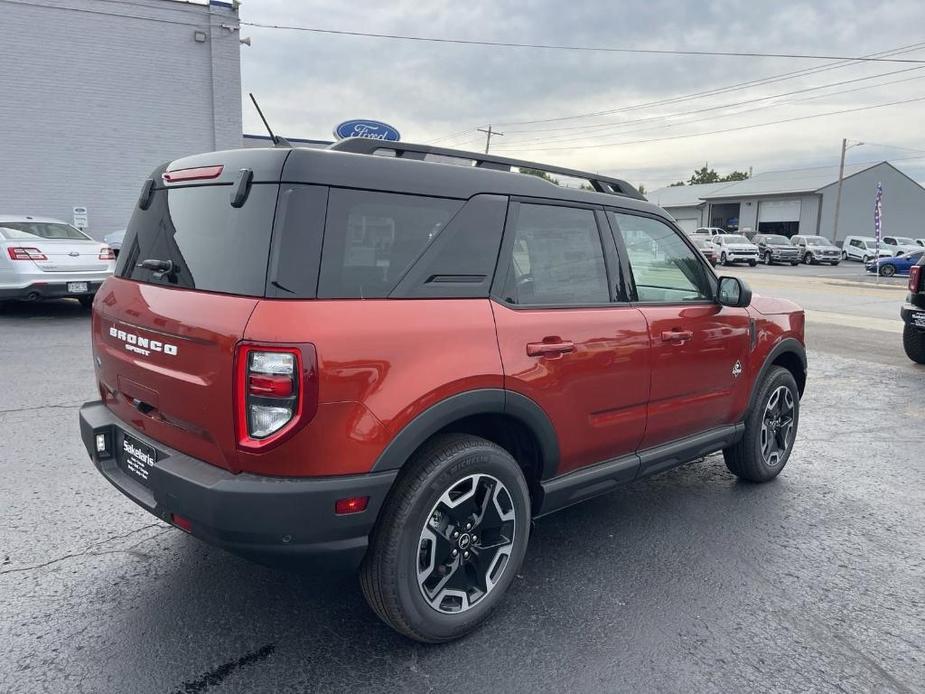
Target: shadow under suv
column 398, row 363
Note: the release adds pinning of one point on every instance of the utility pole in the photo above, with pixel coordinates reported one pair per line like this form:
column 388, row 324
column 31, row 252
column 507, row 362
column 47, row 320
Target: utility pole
column 489, row 132
column 841, row 177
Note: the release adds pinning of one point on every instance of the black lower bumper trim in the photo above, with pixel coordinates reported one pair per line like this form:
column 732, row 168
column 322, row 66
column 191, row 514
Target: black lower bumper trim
column 258, row 516
column 913, row 316
column 48, row 290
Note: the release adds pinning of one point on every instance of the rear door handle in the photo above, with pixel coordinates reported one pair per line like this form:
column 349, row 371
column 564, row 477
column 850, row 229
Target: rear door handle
column 677, row 336
column 550, row 349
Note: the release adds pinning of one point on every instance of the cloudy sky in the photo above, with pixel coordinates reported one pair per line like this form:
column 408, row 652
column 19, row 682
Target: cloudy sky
column 308, row 82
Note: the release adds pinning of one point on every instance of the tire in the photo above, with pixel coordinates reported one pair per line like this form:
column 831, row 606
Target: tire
column 760, row 455
column 794, row 263
column 865, row 259
column 806, row 258
column 914, row 344
column 86, row 301
column 844, row 255
column 752, row 263
column 766, row 258
column 835, row 263
column 887, row 270
column 722, row 259
column 406, row 537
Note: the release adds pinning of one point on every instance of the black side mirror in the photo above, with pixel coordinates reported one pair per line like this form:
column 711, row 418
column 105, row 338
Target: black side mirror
column 733, row 292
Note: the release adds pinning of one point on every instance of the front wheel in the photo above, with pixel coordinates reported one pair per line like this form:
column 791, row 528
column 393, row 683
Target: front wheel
column 835, row 263
column 450, row 539
column 794, row 263
column 844, row 255
column 766, row 258
column 722, row 259
column 770, row 429
column 914, row 344
column 752, row 263
column 887, row 270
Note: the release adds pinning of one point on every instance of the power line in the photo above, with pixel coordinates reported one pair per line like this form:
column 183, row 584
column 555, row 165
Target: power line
column 725, row 130
column 561, row 47
column 781, row 77
column 585, row 137
column 601, row 126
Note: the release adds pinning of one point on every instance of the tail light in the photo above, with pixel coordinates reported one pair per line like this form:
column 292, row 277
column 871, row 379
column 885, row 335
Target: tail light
column 915, row 278
column 25, row 253
column 107, row 253
column 276, row 392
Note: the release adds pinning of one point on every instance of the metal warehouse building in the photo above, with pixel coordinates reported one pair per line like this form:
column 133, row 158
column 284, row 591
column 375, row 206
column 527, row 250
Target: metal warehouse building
column 801, row 202
column 95, row 94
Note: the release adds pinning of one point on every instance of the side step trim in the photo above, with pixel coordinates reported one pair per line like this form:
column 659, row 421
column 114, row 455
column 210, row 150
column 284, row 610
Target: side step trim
column 594, row 480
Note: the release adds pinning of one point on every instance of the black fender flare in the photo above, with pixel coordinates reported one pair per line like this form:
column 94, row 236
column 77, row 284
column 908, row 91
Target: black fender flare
column 467, row 404
column 787, row 345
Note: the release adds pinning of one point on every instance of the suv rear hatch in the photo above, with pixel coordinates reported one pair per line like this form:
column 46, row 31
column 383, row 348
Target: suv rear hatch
column 192, row 269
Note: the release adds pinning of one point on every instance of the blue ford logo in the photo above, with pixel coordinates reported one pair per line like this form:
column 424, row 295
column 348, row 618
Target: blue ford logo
column 373, row 129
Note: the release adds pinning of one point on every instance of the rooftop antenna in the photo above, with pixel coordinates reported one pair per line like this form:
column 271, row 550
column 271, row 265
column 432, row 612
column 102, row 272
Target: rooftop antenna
column 278, row 141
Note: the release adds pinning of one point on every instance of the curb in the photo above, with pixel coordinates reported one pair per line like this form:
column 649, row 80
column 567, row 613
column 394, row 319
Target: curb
column 870, row 285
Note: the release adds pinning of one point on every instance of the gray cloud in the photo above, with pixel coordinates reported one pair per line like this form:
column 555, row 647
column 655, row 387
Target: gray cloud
column 309, row 82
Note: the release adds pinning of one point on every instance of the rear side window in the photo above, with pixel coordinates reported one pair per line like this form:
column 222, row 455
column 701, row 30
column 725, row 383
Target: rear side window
column 212, row 246
column 371, row 239
column 557, row 258
column 42, row 230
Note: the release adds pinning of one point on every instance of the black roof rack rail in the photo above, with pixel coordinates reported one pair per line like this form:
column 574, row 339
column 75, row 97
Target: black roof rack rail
column 406, row 150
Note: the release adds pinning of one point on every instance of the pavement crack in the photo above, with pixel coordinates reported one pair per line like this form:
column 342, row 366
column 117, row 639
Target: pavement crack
column 42, row 407
column 89, row 549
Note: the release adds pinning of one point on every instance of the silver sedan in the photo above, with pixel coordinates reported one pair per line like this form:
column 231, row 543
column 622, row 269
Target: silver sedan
column 43, row 258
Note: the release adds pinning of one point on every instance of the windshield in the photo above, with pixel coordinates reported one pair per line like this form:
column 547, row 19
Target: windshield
column 777, row 239
column 817, row 241
column 734, row 238
column 42, row 230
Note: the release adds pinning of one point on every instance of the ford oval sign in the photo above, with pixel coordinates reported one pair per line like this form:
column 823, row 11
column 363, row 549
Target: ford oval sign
column 373, row 129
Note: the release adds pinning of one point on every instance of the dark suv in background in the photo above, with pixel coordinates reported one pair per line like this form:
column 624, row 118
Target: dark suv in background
column 399, row 363
column 913, row 314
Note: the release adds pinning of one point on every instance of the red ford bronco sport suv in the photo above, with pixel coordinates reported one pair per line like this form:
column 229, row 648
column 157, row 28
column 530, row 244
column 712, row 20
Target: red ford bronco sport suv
column 399, row 362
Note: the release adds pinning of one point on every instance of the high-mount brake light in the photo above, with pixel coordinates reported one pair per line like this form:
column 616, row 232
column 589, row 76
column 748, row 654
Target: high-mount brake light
column 25, row 253
column 276, row 390
column 107, row 254
column 199, row 173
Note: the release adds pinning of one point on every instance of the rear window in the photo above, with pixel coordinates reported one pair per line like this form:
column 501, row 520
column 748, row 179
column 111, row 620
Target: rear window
column 42, row 230
column 213, row 246
column 371, row 239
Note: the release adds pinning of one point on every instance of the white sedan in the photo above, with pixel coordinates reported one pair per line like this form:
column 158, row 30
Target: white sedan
column 43, row 258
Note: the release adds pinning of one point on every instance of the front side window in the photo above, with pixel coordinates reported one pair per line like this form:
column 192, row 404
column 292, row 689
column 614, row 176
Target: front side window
column 665, row 269
column 371, row 239
column 556, row 259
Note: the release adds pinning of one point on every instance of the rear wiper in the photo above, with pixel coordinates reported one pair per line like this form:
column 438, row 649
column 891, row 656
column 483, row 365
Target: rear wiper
column 160, row 268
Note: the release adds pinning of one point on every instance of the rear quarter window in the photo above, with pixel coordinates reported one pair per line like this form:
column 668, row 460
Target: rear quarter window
column 371, row 239
column 214, row 247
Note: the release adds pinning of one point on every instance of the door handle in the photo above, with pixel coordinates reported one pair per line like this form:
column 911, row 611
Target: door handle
column 677, row 336
column 550, row 349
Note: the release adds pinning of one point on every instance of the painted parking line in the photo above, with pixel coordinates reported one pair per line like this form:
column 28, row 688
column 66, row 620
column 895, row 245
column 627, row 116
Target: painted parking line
column 860, row 322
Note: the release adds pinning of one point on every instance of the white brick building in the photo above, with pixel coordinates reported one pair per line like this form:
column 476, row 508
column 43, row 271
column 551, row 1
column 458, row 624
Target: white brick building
column 94, row 94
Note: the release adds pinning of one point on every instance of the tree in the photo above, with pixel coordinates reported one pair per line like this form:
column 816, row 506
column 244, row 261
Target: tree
column 641, row 188
column 676, row 184
column 704, row 175
column 735, row 176
column 539, row 174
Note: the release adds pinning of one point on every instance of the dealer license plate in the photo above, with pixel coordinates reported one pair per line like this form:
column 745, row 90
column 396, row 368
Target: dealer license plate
column 77, row 287
column 136, row 458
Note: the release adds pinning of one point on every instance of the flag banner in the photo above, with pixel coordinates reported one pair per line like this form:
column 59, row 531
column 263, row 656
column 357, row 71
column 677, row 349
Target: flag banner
column 878, row 212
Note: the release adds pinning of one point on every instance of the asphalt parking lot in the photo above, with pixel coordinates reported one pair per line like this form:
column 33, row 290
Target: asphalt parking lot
column 690, row 581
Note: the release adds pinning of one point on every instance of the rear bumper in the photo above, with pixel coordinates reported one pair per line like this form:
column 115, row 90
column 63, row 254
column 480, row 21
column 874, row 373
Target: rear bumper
column 913, row 316
column 49, row 290
column 256, row 516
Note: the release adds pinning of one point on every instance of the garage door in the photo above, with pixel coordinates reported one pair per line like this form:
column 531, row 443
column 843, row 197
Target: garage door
column 779, row 211
column 688, row 226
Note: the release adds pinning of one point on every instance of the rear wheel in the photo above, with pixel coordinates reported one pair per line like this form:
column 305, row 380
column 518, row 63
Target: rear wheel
column 450, row 539
column 770, row 429
column 914, row 344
